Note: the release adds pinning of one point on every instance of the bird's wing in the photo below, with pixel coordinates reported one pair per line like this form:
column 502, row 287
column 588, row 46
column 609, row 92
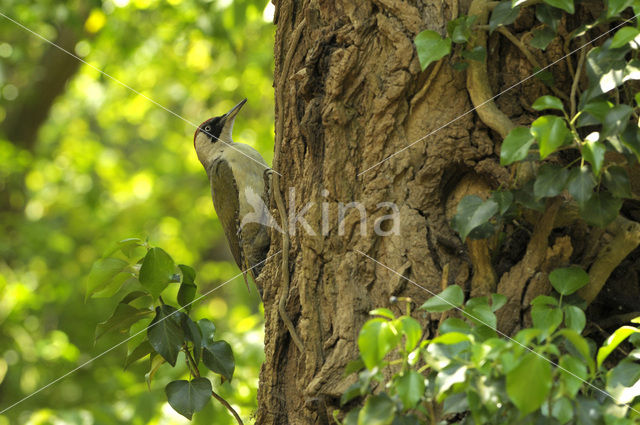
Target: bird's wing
column 225, row 200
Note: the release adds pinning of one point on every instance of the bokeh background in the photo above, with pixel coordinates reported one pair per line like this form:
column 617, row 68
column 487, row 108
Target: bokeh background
column 85, row 162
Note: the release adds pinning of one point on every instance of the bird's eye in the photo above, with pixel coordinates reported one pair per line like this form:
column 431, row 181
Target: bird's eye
column 207, row 129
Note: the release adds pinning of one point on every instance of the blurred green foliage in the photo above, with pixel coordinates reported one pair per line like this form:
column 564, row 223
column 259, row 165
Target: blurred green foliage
column 107, row 164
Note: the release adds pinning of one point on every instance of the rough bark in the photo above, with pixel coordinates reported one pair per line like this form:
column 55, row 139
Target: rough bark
column 350, row 93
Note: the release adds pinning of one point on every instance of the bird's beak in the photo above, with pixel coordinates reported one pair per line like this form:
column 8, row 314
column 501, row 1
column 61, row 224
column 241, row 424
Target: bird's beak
column 231, row 115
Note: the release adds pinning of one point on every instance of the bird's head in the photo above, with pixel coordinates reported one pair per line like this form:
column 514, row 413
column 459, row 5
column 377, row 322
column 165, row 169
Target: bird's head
column 214, row 134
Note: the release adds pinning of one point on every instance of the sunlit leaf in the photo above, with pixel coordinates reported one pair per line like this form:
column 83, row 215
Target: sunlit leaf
column 526, row 393
column 431, row 47
column 516, row 145
column 551, row 132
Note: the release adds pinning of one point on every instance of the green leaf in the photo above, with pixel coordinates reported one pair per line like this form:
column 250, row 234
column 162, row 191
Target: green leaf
column 616, row 120
column 546, row 318
column 453, row 324
column 551, row 181
column 504, row 199
column 562, row 410
column 497, row 301
column 218, row 357
column 191, row 333
column 378, row 410
column 481, row 314
column 188, row 397
column 616, row 180
column 121, row 320
column 623, row 381
column 526, row 393
column 568, row 280
column 574, row 318
column 623, row 36
column 478, row 54
column 551, row 132
column 472, row 213
column 617, row 6
column 165, row 334
column 613, row 341
column 516, row 145
column 156, row 271
column 154, row 364
column 547, row 102
column 548, row 15
column 544, row 300
column 376, row 339
column 141, row 351
column 431, row 47
column 207, row 329
column 102, row 273
column 542, row 37
column 186, row 295
column 601, row 209
column 572, row 374
column 448, row 377
column 593, row 152
column 451, row 338
column 188, row 274
column 579, row 343
column 451, row 297
column 594, row 112
column 410, row 388
column 566, row 5
column 384, row 312
column 460, row 28
column 581, row 184
column 411, row 330
column 503, row 14
column 128, row 246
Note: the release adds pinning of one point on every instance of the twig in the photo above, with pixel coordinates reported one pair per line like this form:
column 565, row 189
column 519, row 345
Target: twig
column 282, row 304
column 576, row 80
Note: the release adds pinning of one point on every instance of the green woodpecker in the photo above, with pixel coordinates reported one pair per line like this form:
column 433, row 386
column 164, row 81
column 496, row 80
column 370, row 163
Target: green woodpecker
column 239, row 188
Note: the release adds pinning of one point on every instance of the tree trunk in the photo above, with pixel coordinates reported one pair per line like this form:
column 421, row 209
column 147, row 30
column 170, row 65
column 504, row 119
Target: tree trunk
column 349, row 93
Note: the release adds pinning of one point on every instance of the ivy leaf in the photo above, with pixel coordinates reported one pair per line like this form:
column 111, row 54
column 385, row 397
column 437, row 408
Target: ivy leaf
column 546, row 318
column 154, row 364
column 526, row 393
column 516, row 145
column 121, row 320
column 497, row 301
column 581, row 184
column 566, row 5
column 478, row 53
column 472, row 213
column 617, row 6
column 460, row 28
column 616, row 120
column 411, row 330
column 207, row 329
column 551, row 132
column 450, row 298
column 431, row 47
column 165, row 334
column 568, row 280
column 504, row 199
column 548, row 15
column 572, row 372
column 141, row 351
column 613, row 341
column 623, row 381
column 218, row 357
column 542, row 37
column 384, row 312
column 410, row 388
column 601, row 209
column 551, row 181
column 594, row 112
column 574, row 318
column 378, row 410
column 503, row 14
column 191, row 333
column 547, row 102
column 623, row 36
column 616, row 180
column 103, row 271
column 156, row 271
column 376, row 339
column 188, row 397
column 479, row 312
column 593, row 152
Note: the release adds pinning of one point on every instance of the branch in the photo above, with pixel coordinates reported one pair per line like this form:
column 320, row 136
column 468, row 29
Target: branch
column 627, row 238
